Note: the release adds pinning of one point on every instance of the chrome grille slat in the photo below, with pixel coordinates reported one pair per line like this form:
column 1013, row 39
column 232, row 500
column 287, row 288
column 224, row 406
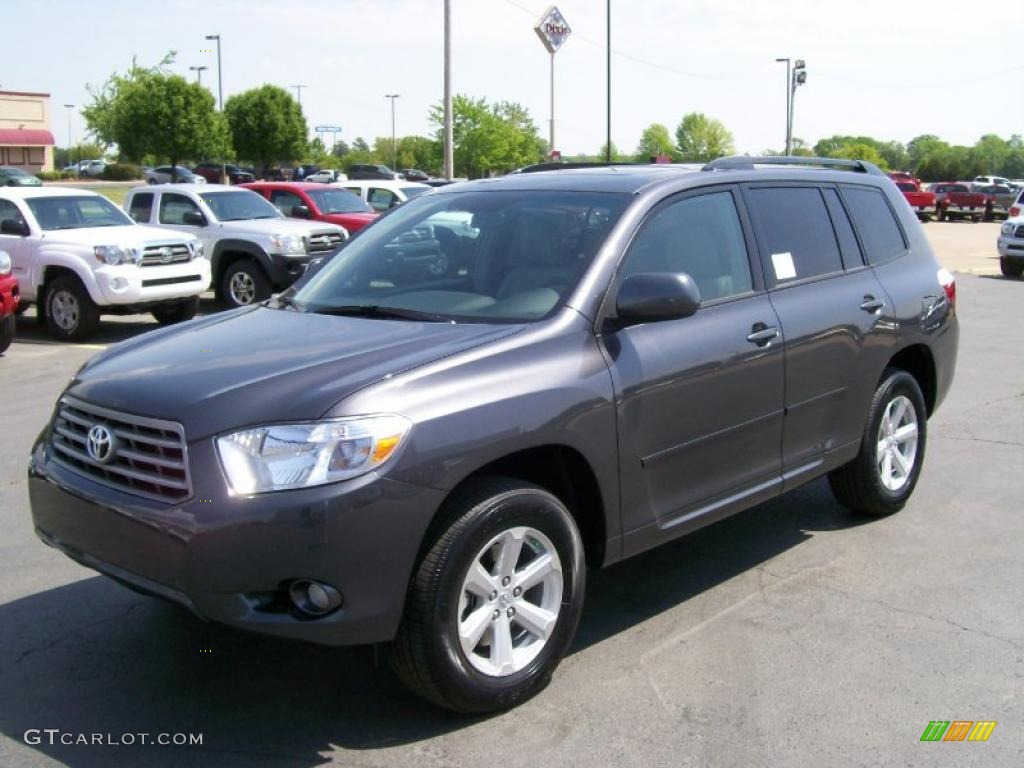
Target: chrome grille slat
column 152, row 256
column 317, row 244
column 150, row 457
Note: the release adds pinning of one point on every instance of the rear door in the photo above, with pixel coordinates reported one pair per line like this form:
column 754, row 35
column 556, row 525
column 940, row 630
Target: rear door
column 836, row 317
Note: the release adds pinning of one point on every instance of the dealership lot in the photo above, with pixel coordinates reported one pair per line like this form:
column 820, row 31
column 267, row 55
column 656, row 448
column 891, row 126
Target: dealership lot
column 791, row 634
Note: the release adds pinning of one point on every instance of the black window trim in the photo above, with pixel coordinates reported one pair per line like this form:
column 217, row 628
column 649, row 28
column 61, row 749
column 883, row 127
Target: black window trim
column 856, row 231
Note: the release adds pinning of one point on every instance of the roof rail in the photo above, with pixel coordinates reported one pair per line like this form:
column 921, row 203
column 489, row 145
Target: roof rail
column 747, row 163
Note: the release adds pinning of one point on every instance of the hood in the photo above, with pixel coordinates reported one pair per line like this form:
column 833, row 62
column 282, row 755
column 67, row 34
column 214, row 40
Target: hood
column 360, row 219
column 132, row 235
column 257, row 365
column 275, row 226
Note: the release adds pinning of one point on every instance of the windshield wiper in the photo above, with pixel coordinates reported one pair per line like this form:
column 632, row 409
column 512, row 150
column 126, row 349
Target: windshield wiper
column 376, row 310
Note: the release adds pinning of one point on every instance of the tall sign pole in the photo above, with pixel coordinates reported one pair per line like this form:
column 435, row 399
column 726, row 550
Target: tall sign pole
column 553, row 31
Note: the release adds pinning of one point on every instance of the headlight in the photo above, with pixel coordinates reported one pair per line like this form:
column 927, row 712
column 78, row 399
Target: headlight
column 5, row 263
column 286, row 456
column 198, row 250
column 287, row 244
column 1007, row 228
column 116, row 254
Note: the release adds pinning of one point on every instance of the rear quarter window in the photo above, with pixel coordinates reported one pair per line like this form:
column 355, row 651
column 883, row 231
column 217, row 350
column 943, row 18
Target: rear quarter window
column 797, row 233
column 876, row 224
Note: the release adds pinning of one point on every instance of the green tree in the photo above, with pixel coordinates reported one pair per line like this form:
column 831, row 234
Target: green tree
column 654, row 141
column 920, row 147
column 700, row 138
column 489, row 138
column 360, row 145
column 990, row 153
column 152, row 112
column 860, row 151
column 267, row 125
column 340, row 148
column 616, row 156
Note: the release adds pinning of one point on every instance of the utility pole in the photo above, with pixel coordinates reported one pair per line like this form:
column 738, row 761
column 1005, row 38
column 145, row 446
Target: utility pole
column 199, row 73
column 449, row 161
column 789, row 148
column 799, row 78
column 69, row 107
column 298, row 93
column 220, row 100
column 394, row 148
column 608, row 58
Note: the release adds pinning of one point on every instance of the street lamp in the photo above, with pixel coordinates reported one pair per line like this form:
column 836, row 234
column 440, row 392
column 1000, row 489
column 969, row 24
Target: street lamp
column 394, row 148
column 220, row 99
column 298, row 93
column 69, row 107
column 788, row 138
column 199, row 73
column 799, row 78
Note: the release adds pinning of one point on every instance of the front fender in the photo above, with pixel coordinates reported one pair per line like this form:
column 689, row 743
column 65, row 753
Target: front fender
column 69, row 261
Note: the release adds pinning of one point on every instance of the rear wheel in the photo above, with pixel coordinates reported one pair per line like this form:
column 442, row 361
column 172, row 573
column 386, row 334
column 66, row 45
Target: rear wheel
column 1011, row 267
column 940, row 214
column 495, row 601
column 6, row 333
column 71, row 315
column 168, row 314
column 244, row 283
column 883, row 475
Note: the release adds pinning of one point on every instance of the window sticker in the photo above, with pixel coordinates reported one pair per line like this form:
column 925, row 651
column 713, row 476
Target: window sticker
column 783, row 263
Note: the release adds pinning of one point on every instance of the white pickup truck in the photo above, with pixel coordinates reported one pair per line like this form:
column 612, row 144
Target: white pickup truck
column 253, row 249
column 77, row 255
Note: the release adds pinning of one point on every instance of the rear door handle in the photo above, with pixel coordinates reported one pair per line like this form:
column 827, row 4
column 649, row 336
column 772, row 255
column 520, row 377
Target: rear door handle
column 871, row 304
column 763, row 335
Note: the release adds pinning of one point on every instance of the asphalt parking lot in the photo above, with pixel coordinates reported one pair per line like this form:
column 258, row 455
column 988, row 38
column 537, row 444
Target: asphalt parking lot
column 792, row 634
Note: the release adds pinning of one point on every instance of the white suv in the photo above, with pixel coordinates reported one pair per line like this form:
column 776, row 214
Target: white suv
column 253, row 249
column 76, row 255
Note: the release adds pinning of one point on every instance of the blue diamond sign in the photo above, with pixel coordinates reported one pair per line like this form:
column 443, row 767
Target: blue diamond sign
column 552, row 29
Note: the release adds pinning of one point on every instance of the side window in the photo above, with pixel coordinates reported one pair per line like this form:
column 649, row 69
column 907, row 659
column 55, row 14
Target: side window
column 797, row 232
column 701, row 236
column 356, row 191
column 9, row 210
column 173, row 208
column 881, row 235
column 848, row 246
column 141, row 208
column 381, row 199
column 285, row 201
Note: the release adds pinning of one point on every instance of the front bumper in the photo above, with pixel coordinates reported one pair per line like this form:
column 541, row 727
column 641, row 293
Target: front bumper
column 1010, row 247
column 130, row 284
column 285, row 270
column 8, row 296
column 229, row 559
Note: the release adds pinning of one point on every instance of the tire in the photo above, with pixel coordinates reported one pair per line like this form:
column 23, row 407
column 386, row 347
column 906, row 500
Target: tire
column 6, row 333
column 151, row 181
column 71, row 315
column 975, row 219
column 1011, row 267
column 244, row 283
column 865, row 485
column 430, row 656
column 169, row 314
column 940, row 214
column 22, row 308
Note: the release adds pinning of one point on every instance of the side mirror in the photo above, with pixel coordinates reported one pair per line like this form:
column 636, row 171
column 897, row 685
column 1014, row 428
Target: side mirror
column 301, row 211
column 653, row 296
column 16, row 227
column 194, row 218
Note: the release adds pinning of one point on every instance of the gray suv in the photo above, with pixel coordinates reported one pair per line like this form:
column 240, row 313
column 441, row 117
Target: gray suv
column 428, row 438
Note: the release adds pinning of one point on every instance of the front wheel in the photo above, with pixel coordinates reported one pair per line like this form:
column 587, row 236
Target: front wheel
column 71, row 315
column 883, row 475
column 244, row 283
column 1011, row 267
column 6, row 333
column 168, row 314
column 495, row 601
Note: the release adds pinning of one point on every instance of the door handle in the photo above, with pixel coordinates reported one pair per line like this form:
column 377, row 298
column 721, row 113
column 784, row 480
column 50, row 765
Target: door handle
column 762, row 335
column 871, row 304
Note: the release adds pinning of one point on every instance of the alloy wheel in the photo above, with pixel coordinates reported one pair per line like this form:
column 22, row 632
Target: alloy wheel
column 896, row 451
column 64, row 310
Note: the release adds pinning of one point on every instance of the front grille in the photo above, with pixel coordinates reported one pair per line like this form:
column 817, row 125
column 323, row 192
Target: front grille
column 147, row 457
column 157, row 255
column 324, row 242
column 171, row 280
column 1019, row 232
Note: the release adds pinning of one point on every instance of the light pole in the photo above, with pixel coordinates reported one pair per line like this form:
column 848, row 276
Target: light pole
column 69, row 107
column 199, row 73
column 449, row 160
column 799, row 78
column 394, row 147
column 298, row 93
column 608, row 63
column 220, row 99
column 788, row 138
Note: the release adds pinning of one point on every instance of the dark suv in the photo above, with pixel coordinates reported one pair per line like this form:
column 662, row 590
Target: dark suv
column 362, row 172
column 212, row 171
column 427, row 440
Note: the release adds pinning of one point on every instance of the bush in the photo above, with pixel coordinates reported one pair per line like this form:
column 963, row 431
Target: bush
column 122, row 172
column 49, row 175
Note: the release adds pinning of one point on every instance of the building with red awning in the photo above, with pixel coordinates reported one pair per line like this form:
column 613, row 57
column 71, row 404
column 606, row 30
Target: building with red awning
column 26, row 141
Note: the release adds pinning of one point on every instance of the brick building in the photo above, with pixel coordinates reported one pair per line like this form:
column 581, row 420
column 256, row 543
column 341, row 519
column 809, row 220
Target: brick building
column 26, row 141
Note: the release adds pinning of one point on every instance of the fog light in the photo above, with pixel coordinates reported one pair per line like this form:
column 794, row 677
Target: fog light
column 118, row 283
column 313, row 597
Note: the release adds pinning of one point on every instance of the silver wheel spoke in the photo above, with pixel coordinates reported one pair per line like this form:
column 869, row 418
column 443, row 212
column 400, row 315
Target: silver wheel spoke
column 881, row 448
column 901, row 462
column 887, row 468
column 501, row 645
column 903, row 434
column 511, row 547
column 534, row 572
column 899, row 408
column 473, row 628
column 479, row 582
column 534, row 619
column 896, row 449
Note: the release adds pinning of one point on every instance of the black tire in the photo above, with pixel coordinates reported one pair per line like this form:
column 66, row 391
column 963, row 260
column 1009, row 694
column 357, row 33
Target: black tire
column 83, row 322
column 168, row 314
column 22, row 308
column 151, row 181
column 6, row 333
column 1011, row 267
column 858, row 485
column 427, row 654
column 245, row 270
column 940, row 214
column 975, row 219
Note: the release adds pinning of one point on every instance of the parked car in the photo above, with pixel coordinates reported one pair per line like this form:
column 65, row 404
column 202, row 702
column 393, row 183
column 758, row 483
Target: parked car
column 1010, row 245
column 310, row 200
column 300, row 172
column 77, row 256
column 253, row 248
column 8, row 300
column 385, row 195
column 15, row 177
column 212, row 173
column 92, row 168
column 413, row 174
column 326, row 176
column 162, row 175
column 899, row 176
column 990, row 180
column 999, row 198
column 1018, row 206
column 386, row 454
column 923, row 203
column 361, row 171
column 954, row 200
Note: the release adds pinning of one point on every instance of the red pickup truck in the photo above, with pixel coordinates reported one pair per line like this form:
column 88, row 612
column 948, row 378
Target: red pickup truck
column 956, row 201
column 320, row 202
column 8, row 301
column 922, row 202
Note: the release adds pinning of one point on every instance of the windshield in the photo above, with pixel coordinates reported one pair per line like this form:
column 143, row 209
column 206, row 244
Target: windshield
column 76, row 212
column 240, row 205
column 471, row 256
column 906, row 186
column 338, row 201
column 954, row 188
column 14, row 172
column 411, row 192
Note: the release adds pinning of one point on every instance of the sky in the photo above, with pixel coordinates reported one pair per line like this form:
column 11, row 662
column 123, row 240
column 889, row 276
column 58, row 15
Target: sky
column 892, row 69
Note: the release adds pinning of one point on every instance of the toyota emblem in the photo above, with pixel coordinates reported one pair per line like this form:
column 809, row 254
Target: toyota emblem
column 100, row 444
column 166, row 254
